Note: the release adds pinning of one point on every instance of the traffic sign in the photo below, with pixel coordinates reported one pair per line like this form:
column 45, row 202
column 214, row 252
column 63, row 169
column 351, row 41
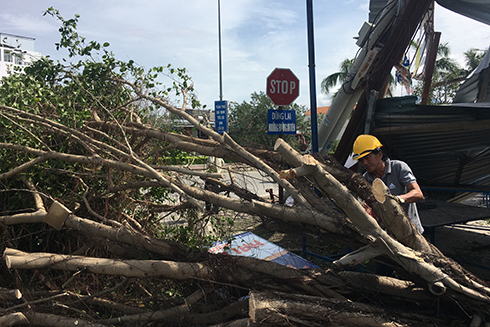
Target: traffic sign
column 282, row 86
column 281, row 121
column 221, row 116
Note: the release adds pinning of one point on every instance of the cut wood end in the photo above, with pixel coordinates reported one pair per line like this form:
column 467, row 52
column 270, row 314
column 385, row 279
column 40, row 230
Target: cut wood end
column 278, row 144
column 309, row 160
column 379, row 190
column 227, row 139
column 251, row 306
column 287, row 174
column 56, row 215
column 17, row 294
column 7, row 261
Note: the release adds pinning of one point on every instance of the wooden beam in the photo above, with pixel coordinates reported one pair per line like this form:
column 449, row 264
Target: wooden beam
column 430, row 63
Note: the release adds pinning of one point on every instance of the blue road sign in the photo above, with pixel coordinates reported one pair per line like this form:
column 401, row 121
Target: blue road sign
column 281, row 121
column 221, row 116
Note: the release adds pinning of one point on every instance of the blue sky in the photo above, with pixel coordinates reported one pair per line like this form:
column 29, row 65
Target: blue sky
column 257, row 36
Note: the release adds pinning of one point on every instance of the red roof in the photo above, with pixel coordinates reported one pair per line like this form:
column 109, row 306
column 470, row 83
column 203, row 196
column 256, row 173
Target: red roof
column 319, row 110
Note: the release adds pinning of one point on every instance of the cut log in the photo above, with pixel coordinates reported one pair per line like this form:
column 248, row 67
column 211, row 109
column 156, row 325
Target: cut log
column 56, row 215
column 293, row 214
column 246, row 322
column 375, row 284
column 280, row 309
column 10, row 293
column 396, row 221
column 44, row 319
column 245, row 270
column 12, row 319
column 15, row 259
column 410, row 260
column 124, row 235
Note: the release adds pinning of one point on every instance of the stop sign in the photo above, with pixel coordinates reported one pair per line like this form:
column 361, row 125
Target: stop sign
column 282, row 86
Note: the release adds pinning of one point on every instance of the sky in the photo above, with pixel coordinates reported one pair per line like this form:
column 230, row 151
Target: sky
column 256, row 36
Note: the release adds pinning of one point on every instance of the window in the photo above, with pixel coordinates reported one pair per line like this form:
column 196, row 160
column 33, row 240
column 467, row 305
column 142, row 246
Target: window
column 7, row 56
column 18, row 59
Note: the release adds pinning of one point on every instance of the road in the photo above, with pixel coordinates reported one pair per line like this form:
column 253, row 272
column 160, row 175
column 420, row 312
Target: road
column 249, row 179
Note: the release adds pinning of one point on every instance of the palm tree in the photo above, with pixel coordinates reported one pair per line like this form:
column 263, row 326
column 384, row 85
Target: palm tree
column 446, row 72
column 472, row 60
column 444, row 64
column 332, row 80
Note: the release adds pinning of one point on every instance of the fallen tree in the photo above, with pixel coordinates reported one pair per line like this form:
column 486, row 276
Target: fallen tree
column 88, row 239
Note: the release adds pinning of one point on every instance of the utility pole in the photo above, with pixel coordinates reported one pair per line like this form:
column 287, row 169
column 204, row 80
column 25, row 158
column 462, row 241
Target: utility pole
column 219, row 50
column 311, row 65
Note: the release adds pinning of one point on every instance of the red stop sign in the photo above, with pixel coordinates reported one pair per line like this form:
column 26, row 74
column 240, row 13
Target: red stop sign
column 282, row 86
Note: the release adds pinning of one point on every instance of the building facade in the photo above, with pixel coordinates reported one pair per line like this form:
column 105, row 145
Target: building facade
column 16, row 51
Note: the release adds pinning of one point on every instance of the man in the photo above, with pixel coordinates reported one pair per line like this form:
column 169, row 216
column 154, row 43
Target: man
column 396, row 174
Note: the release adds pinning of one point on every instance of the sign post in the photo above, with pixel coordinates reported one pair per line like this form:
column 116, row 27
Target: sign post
column 221, row 116
column 282, row 88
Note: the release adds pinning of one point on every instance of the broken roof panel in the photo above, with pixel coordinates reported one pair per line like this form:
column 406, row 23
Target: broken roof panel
column 447, row 146
column 476, row 9
column 469, row 91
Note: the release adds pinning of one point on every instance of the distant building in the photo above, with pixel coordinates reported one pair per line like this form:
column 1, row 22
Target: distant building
column 319, row 110
column 205, row 117
column 16, row 51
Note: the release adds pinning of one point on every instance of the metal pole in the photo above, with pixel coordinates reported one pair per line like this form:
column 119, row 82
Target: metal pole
column 311, row 65
column 219, row 48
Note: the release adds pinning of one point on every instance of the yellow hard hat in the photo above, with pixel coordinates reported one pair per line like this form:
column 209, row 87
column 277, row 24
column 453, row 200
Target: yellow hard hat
column 364, row 144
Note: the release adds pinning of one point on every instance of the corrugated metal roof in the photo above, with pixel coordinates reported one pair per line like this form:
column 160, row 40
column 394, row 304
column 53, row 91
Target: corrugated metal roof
column 470, row 89
column 375, row 6
column 446, row 145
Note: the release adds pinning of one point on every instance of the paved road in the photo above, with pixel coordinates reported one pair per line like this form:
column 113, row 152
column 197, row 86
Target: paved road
column 254, row 181
column 250, row 179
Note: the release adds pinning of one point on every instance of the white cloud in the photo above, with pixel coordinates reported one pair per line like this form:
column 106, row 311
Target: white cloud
column 460, row 32
column 26, row 23
column 257, row 36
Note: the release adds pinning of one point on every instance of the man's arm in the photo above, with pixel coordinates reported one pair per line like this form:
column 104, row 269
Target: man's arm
column 414, row 194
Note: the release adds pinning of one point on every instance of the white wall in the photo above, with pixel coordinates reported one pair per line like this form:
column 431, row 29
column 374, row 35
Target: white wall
column 21, row 50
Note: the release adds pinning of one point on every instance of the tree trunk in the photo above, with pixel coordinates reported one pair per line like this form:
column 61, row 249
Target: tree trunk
column 50, row 320
column 241, row 270
column 281, row 309
column 380, row 243
column 12, row 319
column 124, row 235
column 131, row 268
column 374, row 284
column 396, row 221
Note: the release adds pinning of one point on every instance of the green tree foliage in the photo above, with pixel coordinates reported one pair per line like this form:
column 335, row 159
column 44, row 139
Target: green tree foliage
column 90, row 86
column 473, row 57
column 448, row 74
column 332, row 80
column 445, row 70
column 248, row 123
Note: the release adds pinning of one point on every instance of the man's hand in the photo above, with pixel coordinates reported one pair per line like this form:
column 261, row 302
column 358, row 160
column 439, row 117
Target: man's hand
column 399, row 199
